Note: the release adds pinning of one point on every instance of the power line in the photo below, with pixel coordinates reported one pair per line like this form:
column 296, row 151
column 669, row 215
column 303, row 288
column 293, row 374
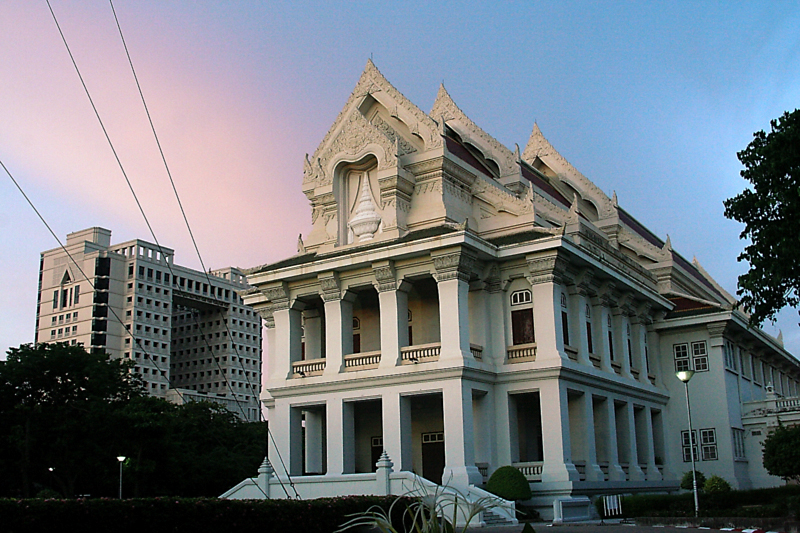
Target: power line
column 183, row 212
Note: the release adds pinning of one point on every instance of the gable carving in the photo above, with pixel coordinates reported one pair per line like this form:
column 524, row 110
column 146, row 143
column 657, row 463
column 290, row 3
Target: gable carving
column 445, row 109
column 539, row 146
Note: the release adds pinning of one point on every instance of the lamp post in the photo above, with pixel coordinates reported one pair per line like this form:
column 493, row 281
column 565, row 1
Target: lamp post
column 121, row 459
column 685, row 376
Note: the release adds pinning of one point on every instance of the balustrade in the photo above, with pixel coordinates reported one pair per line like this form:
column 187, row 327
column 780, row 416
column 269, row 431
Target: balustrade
column 420, row 353
column 520, row 353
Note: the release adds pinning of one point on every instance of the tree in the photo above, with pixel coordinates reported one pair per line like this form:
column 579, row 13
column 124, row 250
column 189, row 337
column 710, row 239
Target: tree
column 55, row 402
column 782, row 452
column 770, row 212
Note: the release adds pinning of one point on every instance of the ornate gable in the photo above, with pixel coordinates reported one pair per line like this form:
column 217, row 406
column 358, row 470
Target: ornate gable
column 540, row 148
column 399, row 123
column 444, row 108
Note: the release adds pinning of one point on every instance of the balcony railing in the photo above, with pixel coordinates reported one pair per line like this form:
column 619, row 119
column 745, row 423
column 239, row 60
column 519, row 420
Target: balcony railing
column 531, row 471
column 477, row 351
column 311, row 367
column 521, row 353
column 420, row 353
column 362, row 361
column 483, row 468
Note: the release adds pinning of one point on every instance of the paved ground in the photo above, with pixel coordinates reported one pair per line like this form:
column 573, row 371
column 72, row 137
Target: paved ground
column 545, row 527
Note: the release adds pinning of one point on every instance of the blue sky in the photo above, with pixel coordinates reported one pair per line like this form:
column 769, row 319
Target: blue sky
column 648, row 99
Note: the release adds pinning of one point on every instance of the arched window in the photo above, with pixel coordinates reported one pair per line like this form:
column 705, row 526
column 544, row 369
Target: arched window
column 564, row 319
column 521, row 297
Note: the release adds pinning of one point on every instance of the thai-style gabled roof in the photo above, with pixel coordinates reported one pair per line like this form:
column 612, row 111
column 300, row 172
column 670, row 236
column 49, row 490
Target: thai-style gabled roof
column 539, row 147
column 444, row 108
column 373, row 84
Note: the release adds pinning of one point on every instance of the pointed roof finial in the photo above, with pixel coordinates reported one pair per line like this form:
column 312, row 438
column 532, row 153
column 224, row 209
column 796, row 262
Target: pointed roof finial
column 517, row 154
column 614, row 199
column 780, row 337
column 667, row 245
column 573, row 209
column 301, row 248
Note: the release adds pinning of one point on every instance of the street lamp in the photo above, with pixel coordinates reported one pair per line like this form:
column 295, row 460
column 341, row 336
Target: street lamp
column 685, row 376
column 121, row 459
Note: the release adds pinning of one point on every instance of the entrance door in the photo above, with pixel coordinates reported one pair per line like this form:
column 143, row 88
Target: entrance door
column 433, row 456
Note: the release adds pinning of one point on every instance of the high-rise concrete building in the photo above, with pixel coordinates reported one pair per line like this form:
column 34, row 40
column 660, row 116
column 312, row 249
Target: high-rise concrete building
column 189, row 333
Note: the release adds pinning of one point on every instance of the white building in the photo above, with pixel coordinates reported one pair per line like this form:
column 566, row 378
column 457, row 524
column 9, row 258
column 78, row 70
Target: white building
column 464, row 306
column 190, row 335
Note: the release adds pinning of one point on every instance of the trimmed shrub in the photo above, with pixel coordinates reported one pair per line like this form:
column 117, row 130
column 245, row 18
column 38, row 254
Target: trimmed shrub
column 509, row 483
column 686, row 480
column 715, row 484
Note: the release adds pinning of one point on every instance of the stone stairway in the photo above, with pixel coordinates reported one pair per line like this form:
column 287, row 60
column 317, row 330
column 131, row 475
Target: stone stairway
column 491, row 519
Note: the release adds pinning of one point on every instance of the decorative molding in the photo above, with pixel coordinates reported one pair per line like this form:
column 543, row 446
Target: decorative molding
column 547, row 269
column 385, row 276
column 373, row 84
column 716, row 329
column 330, row 287
column 539, row 146
column 446, row 108
column 455, row 265
column 278, row 295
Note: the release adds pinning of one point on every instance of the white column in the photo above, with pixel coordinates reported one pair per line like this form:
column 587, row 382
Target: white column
column 315, row 424
column 397, row 430
column 593, row 471
column 338, row 331
column 496, row 342
column 340, row 437
column 394, row 324
column 609, row 421
column 460, row 470
column 508, row 424
column 634, row 471
column 287, row 341
column 653, row 474
column 621, row 325
column 577, row 305
column 555, row 433
column 547, row 321
column 453, row 318
column 452, row 281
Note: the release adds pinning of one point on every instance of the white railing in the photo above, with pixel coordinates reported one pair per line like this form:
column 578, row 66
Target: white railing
column 420, row 353
column 787, row 403
column 531, row 471
column 362, row 361
column 483, row 468
column 311, row 367
column 521, row 352
column 477, row 351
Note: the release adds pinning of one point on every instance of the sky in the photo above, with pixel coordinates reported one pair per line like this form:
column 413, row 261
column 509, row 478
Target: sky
column 649, row 99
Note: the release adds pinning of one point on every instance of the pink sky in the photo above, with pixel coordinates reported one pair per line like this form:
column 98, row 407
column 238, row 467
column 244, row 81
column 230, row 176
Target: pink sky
column 652, row 101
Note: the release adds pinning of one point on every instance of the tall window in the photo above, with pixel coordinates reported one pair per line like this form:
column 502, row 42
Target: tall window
column 522, row 331
column 738, row 443
column 696, row 360
column 356, row 336
column 689, row 446
column 564, row 319
column 729, row 352
column 646, row 354
column 589, row 328
column 708, row 444
column 628, row 342
column 610, row 339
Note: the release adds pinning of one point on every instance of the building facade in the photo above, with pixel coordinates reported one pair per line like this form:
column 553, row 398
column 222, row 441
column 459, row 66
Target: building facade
column 189, row 334
column 463, row 306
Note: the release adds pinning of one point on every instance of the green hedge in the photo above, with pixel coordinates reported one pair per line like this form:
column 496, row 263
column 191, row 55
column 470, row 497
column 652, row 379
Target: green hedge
column 774, row 502
column 324, row 515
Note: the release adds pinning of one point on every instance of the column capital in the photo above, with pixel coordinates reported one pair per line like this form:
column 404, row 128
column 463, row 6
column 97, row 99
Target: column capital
column 605, row 293
column 330, row 286
column 278, row 295
column 453, row 265
column 716, row 329
column 550, row 268
column 386, row 277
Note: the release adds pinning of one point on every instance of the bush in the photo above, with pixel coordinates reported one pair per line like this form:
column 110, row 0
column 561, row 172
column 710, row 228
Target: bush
column 510, row 484
column 715, row 484
column 686, row 480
